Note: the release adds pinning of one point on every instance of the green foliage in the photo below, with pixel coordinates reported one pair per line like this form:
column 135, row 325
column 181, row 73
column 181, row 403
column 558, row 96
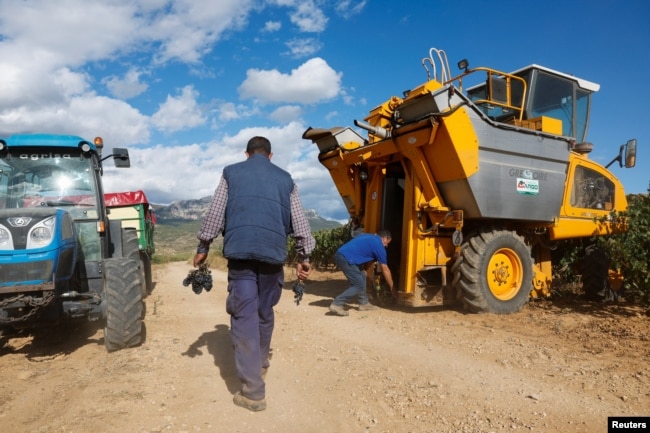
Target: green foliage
column 177, row 237
column 566, row 259
column 630, row 251
column 159, row 259
column 327, row 242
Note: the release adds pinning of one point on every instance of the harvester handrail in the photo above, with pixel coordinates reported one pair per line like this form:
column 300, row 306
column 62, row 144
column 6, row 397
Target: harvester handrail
column 509, row 103
column 444, row 65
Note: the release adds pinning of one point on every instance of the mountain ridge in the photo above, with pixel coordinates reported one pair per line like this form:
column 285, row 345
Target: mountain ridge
column 193, row 210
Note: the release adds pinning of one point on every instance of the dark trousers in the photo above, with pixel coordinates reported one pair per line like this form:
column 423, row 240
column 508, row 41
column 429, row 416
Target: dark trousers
column 254, row 288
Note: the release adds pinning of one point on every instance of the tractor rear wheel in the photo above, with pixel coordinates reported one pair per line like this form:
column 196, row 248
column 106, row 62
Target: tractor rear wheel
column 494, row 273
column 124, row 306
column 145, row 262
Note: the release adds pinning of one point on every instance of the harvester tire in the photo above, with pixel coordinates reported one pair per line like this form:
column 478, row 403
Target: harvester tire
column 131, row 249
column 124, row 306
column 494, row 272
column 594, row 278
column 456, row 275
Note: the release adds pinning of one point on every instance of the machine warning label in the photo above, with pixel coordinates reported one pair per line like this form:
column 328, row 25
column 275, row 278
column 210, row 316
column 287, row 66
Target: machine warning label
column 527, row 186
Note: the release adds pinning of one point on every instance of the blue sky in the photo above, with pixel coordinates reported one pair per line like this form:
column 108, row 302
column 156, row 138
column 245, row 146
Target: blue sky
column 185, row 84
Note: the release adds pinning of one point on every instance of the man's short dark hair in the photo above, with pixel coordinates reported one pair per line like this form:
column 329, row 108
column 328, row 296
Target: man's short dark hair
column 259, row 145
column 384, row 234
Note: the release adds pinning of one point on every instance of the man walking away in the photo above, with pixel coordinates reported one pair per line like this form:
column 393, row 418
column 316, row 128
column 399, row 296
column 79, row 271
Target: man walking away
column 255, row 207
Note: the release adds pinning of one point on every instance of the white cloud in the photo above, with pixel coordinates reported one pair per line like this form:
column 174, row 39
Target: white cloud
column 69, row 83
column 127, row 87
column 88, row 115
column 349, row 8
column 67, row 32
column 44, row 45
column 191, row 27
column 331, row 115
column 303, row 47
column 311, row 82
column 163, row 171
column 305, row 14
column 195, row 169
column 68, row 67
column 228, row 111
column 308, row 17
column 180, row 112
column 286, row 113
column 26, row 87
column 272, row 26
column 286, row 141
column 116, row 121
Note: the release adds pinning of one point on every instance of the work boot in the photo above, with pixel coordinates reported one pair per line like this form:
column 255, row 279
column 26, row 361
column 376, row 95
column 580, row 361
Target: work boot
column 338, row 310
column 242, row 401
column 367, row 307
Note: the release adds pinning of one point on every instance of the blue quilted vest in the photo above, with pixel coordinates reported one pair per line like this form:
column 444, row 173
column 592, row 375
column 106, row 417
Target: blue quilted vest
column 258, row 213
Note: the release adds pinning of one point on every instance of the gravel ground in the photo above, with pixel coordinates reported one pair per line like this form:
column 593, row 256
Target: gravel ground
column 560, row 366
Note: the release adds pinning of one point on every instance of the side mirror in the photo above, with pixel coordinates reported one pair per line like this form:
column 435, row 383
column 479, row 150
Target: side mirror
column 630, row 153
column 121, row 157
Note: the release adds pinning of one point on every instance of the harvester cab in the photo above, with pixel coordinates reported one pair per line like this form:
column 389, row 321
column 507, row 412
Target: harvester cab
column 476, row 175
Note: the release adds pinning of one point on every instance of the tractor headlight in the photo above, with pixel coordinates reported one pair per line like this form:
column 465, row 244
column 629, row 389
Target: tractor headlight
column 6, row 242
column 42, row 233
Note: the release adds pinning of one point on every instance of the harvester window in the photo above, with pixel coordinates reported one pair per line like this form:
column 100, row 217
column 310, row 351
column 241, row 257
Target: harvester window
column 499, row 98
column 497, row 89
column 591, row 190
column 553, row 97
column 582, row 114
column 559, row 98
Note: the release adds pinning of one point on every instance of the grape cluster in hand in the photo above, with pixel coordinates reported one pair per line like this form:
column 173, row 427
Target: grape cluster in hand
column 200, row 279
column 298, row 290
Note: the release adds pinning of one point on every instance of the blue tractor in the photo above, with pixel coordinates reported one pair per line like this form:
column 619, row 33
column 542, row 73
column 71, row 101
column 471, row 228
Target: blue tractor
column 61, row 258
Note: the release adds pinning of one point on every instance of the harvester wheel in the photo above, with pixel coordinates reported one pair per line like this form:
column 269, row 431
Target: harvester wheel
column 124, row 306
column 456, row 275
column 131, row 249
column 595, row 267
column 495, row 272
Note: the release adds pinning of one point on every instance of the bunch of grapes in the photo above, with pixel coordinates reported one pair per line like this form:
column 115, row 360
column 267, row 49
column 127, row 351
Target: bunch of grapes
column 200, row 279
column 298, row 291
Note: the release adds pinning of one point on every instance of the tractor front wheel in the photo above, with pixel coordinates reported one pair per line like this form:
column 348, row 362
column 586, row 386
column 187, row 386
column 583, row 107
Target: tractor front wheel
column 124, row 306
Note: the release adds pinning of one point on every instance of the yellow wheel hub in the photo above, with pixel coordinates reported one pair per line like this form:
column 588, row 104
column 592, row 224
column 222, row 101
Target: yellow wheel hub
column 504, row 274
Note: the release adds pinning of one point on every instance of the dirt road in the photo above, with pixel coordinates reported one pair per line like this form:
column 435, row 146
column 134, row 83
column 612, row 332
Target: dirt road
column 554, row 367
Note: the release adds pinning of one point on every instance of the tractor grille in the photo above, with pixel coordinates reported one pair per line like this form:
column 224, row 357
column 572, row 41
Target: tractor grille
column 16, row 273
column 20, row 221
column 19, row 234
